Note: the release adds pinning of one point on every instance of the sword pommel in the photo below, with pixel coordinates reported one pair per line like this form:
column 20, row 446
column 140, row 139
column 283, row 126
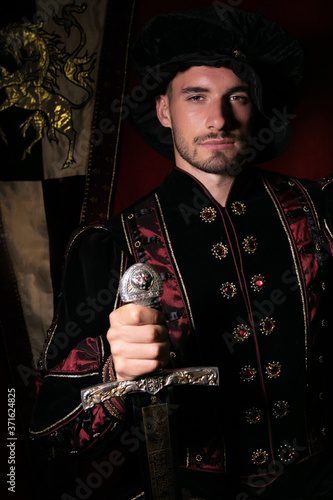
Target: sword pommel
column 141, row 285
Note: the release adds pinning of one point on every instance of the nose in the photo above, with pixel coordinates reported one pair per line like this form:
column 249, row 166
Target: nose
column 221, row 117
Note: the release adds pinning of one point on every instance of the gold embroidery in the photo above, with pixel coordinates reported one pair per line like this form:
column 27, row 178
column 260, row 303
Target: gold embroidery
column 113, row 410
column 102, row 348
column 328, row 229
column 297, row 273
column 66, row 375
column 125, row 233
column 220, row 251
column 96, row 226
column 32, row 85
column 259, row 457
column 208, row 214
column 121, row 272
column 35, row 433
column 306, row 347
column 312, row 205
column 48, row 345
column 228, row 290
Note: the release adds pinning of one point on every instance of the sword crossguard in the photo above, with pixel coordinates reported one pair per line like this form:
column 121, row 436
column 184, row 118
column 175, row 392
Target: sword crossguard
column 152, row 384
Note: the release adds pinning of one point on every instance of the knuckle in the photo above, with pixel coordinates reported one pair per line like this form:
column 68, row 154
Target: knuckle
column 135, row 315
column 111, row 334
column 119, row 365
column 157, row 351
column 113, row 316
column 151, row 333
column 153, row 366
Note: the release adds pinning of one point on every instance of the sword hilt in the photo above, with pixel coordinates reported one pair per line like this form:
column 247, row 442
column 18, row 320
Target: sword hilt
column 143, row 286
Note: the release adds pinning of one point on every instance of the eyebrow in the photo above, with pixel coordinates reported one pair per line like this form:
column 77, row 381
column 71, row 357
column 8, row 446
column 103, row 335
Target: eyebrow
column 193, row 89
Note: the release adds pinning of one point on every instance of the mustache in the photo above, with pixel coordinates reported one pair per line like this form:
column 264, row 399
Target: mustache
column 221, row 135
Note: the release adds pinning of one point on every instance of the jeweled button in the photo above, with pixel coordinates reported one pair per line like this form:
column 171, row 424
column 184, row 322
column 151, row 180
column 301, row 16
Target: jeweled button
column 250, row 244
column 241, row 332
column 238, row 208
column 208, row 214
column 273, row 369
column 286, row 453
column 280, row 409
column 253, row 415
column 258, row 282
column 248, row 373
column 220, row 251
column 267, row 326
column 259, row 457
column 228, row 290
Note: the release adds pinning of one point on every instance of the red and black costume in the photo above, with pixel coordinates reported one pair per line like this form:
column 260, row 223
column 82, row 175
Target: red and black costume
column 248, row 289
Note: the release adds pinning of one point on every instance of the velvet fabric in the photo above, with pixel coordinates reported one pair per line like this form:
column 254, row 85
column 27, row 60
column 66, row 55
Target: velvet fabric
column 217, row 435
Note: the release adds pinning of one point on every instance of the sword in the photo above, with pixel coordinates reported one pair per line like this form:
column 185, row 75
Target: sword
column 152, row 396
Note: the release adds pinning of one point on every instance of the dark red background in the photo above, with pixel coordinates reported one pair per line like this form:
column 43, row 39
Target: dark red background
column 310, row 153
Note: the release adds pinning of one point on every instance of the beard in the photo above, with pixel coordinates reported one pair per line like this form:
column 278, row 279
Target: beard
column 219, row 161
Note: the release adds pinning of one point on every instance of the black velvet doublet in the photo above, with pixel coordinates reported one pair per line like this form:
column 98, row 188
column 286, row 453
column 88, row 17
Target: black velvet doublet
column 256, row 278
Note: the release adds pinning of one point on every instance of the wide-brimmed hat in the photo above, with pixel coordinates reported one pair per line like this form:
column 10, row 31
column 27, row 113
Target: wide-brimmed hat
column 256, row 49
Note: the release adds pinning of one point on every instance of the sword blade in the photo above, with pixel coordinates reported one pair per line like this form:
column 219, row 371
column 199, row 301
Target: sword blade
column 155, row 415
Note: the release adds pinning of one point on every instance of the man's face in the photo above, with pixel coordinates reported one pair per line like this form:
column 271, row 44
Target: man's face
column 209, row 112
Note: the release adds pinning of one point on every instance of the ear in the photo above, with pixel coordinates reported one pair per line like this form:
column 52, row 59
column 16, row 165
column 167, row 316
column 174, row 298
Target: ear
column 163, row 110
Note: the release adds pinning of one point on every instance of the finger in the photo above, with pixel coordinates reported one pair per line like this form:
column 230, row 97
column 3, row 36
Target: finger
column 129, row 368
column 144, row 334
column 148, row 351
column 137, row 368
column 132, row 314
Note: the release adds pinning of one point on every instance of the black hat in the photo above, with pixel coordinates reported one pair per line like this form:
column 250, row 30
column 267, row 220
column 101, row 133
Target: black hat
column 255, row 48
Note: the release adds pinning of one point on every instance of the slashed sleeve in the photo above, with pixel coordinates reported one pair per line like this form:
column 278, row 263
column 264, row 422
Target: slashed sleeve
column 76, row 353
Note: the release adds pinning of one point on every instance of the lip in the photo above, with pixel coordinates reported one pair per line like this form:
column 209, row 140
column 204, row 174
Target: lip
column 218, row 144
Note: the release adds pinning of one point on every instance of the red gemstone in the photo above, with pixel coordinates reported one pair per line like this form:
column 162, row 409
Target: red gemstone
column 228, row 290
column 254, row 415
column 238, row 207
column 258, row 282
column 247, row 373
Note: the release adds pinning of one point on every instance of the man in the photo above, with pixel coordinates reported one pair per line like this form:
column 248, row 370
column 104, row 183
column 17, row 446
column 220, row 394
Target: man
column 246, row 257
